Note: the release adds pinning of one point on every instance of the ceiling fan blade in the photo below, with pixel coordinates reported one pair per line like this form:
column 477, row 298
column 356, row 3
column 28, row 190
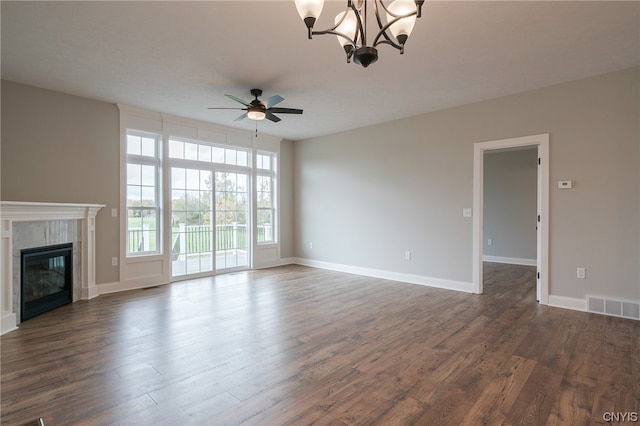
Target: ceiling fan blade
column 242, row 117
column 286, row 110
column 237, row 99
column 274, row 100
column 224, row 108
column 272, row 117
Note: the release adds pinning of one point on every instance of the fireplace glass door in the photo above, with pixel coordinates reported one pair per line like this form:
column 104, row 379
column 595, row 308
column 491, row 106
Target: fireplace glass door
column 46, row 279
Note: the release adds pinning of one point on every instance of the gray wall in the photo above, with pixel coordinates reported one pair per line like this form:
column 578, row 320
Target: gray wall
column 365, row 196
column 510, row 203
column 286, row 198
column 64, row 149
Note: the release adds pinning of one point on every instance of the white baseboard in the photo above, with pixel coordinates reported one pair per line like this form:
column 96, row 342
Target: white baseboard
column 568, row 303
column 9, row 323
column 466, row 287
column 88, row 293
column 117, row 287
column 510, row 260
column 278, row 262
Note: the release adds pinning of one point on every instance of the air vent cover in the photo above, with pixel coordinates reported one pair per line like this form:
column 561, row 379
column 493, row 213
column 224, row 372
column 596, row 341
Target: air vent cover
column 614, row 307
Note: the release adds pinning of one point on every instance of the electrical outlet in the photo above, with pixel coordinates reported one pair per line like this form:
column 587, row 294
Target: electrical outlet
column 489, row 242
column 407, row 255
column 114, row 261
column 310, row 245
column 581, row 273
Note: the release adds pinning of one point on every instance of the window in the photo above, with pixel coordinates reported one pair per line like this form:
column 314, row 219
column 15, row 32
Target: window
column 265, row 191
column 190, row 150
column 143, row 193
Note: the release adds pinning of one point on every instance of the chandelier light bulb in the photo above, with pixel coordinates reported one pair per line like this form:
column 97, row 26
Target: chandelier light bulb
column 309, row 8
column 348, row 27
column 403, row 27
column 309, row 11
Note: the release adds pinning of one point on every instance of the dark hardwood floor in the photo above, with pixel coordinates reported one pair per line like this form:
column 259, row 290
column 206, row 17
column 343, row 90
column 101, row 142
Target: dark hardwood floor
column 296, row 346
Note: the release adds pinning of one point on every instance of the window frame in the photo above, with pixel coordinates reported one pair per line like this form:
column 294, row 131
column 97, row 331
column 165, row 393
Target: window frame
column 271, row 173
column 156, row 163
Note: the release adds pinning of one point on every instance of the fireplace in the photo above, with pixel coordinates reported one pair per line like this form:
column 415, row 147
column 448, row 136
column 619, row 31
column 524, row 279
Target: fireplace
column 34, row 224
column 46, row 279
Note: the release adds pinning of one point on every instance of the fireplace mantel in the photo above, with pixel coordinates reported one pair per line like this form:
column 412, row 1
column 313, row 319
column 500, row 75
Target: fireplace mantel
column 18, row 211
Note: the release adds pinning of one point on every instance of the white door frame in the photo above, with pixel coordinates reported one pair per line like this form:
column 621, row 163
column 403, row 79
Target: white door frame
column 542, row 142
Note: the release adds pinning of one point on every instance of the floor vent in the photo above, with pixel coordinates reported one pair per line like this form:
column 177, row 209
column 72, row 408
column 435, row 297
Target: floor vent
column 616, row 308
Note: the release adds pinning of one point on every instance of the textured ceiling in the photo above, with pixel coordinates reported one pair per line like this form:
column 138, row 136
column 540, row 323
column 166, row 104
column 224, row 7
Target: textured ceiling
column 182, row 57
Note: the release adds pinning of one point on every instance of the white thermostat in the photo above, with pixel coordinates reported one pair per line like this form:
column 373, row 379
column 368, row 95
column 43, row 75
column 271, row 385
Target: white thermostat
column 564, row 184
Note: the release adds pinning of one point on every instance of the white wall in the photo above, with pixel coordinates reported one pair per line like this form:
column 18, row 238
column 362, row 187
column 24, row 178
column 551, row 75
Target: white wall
column 366, row 196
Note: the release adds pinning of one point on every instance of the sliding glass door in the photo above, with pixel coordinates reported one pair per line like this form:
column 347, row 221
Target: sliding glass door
column 231, row 224
column 192, row 226
column 209, row 221
column 209, row 208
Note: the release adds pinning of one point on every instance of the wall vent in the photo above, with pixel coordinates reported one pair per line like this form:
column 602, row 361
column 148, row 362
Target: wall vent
column 613, row 307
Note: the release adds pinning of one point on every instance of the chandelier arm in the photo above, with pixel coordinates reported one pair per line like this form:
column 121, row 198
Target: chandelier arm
column 336, row 33
column 352, row 42
column 387, row 39
column 362, row 21
column 349, row 48
column 419, row 4
column 332, row 30
column 390, row 43
column 383, row 28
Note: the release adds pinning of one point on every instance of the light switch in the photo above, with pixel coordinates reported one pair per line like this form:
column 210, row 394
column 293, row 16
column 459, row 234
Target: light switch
column 466, row 212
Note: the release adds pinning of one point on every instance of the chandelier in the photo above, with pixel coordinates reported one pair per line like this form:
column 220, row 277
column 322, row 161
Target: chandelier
column 395, row 23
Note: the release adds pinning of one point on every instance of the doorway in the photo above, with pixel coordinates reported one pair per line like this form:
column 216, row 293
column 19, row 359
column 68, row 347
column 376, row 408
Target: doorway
column 542, row 238
column 209, row 221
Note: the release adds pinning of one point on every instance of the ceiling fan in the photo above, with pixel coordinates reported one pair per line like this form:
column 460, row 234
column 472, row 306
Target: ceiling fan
column 259, row 110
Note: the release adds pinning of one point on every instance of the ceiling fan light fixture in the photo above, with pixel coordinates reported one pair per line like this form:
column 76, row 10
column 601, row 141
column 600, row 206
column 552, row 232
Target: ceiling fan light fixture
column 256, row 115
